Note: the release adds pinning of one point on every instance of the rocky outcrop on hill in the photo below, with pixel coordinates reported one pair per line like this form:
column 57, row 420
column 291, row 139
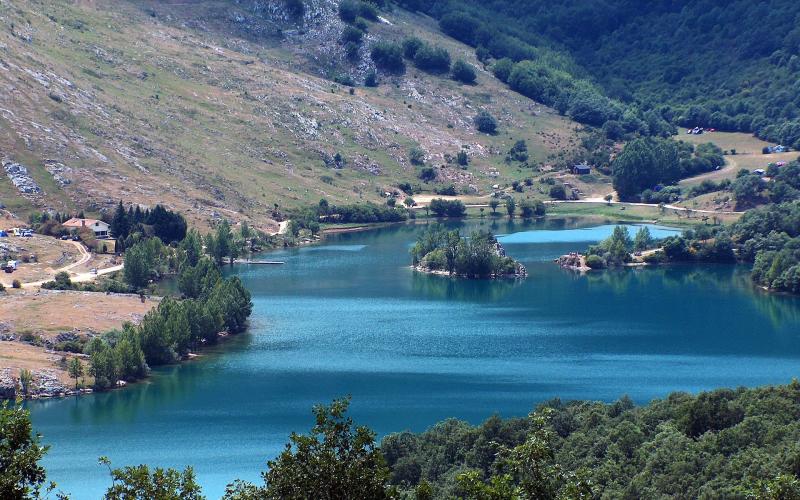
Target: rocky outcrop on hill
column 59, row 171
column 8, row 384
column 20, row 177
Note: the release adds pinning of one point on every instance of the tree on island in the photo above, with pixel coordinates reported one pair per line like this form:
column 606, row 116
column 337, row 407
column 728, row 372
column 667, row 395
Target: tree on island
column 493, row 204
column 478, row 256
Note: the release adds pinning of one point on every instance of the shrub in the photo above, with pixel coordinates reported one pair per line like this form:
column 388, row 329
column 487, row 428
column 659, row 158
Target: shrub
column 411, row 45
column 296, row 8
column 485, row 122
column 16, row 284
column 351, row 49
column 427, row 174
column 502, row 69
column 371, row 80
column 432, row 59
column 352, row 34
column 462, row 158
column 388, row 57
column 595, row 262
column 349, row 10
column 655, row 257
column 447, row 208
column 558, row 192
column 416, row 156
column 463, row 72
column 460, row 26
column 2, row 288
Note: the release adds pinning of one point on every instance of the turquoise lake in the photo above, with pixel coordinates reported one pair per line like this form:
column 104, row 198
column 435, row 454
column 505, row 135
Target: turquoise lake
column 349, row 317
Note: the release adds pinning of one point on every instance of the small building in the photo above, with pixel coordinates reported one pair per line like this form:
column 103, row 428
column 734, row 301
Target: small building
column 99, row 227
column 582, row 169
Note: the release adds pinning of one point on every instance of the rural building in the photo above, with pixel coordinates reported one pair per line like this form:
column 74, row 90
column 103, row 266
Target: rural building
column 99, row 227
column 581, row 169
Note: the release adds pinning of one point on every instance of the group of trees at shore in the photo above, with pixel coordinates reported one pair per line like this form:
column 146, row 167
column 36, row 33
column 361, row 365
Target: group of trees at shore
column 310, row 218
column 207, row 304
column 478, row 256
column 721, row 444
column 768, row 238
column 647, row 164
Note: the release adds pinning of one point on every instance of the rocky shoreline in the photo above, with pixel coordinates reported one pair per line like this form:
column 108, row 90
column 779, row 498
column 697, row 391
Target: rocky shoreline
column 573, row 261
column 45, row 384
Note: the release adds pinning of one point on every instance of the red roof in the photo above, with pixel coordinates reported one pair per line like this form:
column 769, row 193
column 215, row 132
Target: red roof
column 81, row 222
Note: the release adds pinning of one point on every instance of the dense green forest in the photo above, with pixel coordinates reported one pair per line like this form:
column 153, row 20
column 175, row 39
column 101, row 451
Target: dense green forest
column 732, row 65
column 738, row 444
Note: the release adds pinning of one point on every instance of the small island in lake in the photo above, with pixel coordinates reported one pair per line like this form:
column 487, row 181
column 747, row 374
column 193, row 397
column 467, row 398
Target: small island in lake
column 439, row 251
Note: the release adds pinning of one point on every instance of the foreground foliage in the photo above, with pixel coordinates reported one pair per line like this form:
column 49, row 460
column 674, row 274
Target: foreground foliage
column 722, row 444
column 21, row 476
column 337, row 460
column 740, row 444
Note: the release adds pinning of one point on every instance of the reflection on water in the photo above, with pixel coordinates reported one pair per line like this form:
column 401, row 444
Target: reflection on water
column 428, row 286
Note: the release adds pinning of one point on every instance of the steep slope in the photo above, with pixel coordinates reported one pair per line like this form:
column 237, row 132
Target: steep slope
column 219, row 108
column 731, row 65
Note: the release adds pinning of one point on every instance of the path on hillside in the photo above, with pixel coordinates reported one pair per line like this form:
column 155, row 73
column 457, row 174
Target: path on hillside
column 715, row 175
column 85, row 256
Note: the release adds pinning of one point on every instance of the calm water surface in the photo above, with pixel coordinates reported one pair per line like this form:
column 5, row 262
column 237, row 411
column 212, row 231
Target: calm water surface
column 349, row 317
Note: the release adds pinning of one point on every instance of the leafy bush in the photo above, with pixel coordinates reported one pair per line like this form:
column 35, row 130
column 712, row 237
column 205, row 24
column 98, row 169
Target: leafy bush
column 485, row 122
column 447, row 208
column 558, row 192
column 463, row 72
column 350, row 10
column 427, row 174
column 416, row 156
column 16, row 284
column 595, row 262
column 388, row 57
column 352, row 34
column 432, row 59
column 296, row 8
column 411, row 45
column 502, row 69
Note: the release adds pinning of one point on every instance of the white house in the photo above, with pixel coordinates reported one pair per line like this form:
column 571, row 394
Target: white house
column 99, row 227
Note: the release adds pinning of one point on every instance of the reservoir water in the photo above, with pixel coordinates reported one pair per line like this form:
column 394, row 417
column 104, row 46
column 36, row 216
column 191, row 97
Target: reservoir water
column 349, row 317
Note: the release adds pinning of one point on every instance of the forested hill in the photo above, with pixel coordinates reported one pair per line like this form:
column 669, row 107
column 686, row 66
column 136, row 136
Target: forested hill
column 732, row 65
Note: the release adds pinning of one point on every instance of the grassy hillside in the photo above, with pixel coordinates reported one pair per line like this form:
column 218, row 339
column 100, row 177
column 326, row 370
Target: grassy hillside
column 223, row 109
